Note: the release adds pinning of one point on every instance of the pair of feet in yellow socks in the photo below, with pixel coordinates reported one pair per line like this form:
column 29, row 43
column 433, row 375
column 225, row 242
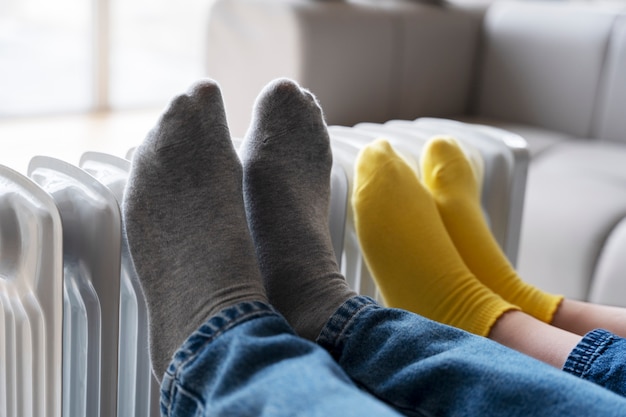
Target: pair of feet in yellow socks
column 427, row 243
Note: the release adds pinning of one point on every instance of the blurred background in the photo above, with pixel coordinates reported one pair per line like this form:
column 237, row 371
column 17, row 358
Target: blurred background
column 80, row 75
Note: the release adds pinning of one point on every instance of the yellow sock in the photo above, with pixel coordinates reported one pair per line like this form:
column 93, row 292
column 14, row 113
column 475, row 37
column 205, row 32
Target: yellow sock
column 447, row 174
column 407, row 249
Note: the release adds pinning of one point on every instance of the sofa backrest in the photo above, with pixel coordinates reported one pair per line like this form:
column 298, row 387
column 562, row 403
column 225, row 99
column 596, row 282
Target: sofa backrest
column 435, row 60
column 556, row 65
column 365, row 60
column 543, row 61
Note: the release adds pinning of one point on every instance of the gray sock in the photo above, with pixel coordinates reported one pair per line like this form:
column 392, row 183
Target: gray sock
column 287, row 160
column 185, row 221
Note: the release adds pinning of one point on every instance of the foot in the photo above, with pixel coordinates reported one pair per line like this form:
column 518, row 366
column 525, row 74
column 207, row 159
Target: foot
column 287, row 160
column 185, row 221
column 408, row 250
column 447, row 174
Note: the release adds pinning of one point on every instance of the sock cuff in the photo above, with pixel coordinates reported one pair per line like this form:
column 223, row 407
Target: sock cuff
column 487, row 316
column 545, row 308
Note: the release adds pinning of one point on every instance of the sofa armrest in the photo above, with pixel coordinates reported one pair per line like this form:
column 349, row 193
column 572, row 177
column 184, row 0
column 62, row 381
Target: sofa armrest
column 364, row 61
column 609, row 285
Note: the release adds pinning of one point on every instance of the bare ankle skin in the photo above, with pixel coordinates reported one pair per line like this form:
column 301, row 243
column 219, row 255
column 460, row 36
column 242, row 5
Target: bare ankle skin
column 581, row 317
column 519, row 331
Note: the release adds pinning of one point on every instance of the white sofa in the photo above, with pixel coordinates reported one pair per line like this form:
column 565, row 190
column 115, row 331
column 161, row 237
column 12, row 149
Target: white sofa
column 553, row 72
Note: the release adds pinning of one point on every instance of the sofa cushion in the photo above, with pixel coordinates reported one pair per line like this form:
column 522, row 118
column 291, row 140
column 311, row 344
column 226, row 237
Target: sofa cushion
column 436, row 56
column 574, row 198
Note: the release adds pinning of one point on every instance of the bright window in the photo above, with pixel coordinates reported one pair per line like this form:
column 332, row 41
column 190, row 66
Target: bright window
column 157, row 49
column 76, row 55
column 44, row 56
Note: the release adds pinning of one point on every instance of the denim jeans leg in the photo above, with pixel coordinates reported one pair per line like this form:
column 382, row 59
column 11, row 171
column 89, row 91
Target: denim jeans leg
column 423, row 368
column 600, row 357
column 246, row 361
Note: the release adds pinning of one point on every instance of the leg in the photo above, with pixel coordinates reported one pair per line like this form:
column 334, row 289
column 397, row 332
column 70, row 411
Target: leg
column 597, row 357
column 407, row 249
column 286, row 158
column 417, row 267
column 554, row 343
column 419, row 366
column 425, row 368
column 246, row 361
column 580, row 317
column 535, row 338
column 185, row 221
column 183, row 193
column 448, row 176
column 373, row 201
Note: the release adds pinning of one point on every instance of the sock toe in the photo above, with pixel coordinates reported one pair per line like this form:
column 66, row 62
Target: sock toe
column 283, row 106
column 445, row 168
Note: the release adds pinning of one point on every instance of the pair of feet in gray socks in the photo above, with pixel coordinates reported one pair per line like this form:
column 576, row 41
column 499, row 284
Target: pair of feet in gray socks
column 207, row 231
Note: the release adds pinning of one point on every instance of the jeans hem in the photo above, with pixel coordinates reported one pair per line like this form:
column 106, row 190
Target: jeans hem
column 587, row 351
column 333, row 333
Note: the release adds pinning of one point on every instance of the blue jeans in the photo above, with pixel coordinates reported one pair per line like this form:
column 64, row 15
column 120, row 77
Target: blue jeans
column 600, row 357
column 369, row 361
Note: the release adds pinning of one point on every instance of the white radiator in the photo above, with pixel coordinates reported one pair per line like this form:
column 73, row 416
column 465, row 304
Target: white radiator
column 73, row 321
